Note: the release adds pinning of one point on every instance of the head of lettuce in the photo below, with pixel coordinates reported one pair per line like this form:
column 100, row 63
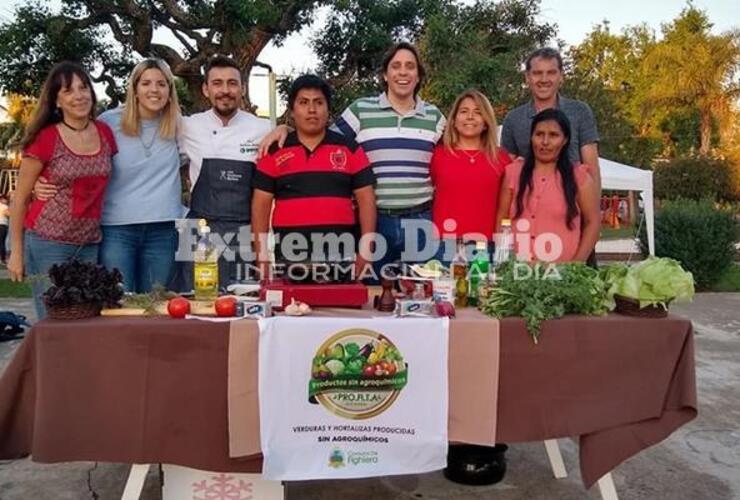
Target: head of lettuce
column 654, row 281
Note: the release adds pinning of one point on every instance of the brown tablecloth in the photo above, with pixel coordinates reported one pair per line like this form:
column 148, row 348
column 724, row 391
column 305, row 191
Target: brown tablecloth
column 149, row 390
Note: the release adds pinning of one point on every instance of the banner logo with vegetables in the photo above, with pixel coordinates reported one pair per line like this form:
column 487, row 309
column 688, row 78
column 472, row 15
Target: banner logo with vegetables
column 357, row 374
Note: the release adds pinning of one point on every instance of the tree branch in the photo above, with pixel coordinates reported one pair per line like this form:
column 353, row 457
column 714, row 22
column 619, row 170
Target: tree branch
column 178, row 29
column 110, row 89
column 184, row 41
column 141, row 36
column 178, row 14
column 173, row 58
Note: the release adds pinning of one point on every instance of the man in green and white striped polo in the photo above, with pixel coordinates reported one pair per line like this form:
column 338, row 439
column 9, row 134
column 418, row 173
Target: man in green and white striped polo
column 398, row 132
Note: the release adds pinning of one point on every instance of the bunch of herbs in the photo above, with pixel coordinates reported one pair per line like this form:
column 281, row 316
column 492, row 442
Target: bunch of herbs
column 545, row 291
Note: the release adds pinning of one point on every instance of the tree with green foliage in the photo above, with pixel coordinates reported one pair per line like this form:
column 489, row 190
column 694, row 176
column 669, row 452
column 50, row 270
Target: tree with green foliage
column 691, row 67
column 107, row 35
column 19, row 109
column 606, row 71
column 481, row 45
column 462, row 45
column 658, row 97
column 350, row 47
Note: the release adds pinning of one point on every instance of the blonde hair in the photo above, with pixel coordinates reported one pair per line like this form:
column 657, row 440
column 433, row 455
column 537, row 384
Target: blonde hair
column 130, row 121
column 488, row 136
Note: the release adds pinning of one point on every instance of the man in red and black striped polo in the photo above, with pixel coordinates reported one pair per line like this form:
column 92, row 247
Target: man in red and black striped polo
column 313, row 179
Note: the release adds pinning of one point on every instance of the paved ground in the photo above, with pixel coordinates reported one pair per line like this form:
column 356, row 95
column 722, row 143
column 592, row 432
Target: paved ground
column 700, row 461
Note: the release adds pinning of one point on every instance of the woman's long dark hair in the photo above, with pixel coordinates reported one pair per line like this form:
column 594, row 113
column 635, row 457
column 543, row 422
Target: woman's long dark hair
column 564, row 166
column 46, row 112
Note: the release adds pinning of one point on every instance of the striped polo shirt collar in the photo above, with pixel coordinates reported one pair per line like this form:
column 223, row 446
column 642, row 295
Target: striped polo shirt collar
column 419, row 110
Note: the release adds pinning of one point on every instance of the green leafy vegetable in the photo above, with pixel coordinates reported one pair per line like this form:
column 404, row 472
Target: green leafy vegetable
column 354, row 366
column 351, row 350
column 545, row 291
column 148, row 301
column 654, row 281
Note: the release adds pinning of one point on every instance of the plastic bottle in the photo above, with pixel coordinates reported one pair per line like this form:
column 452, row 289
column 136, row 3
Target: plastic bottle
column 504, row 244
column 205, row 265
column 459, row 267
column 478, row 272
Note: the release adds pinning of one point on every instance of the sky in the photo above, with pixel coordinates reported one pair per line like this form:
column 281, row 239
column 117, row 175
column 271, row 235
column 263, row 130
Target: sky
column 574, row 18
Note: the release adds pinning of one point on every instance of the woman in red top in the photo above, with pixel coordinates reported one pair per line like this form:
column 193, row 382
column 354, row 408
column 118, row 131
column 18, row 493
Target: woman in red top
column 65, row 144
column 466, row 173
column 547, row 197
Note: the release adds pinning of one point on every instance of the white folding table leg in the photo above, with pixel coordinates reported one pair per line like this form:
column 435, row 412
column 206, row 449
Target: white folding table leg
column 135, row 482
column 556, row 459
column 607, row 488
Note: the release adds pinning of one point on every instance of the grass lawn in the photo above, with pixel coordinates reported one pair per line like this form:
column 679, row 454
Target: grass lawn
column 730, row 282
column 10, row 289
column 609, row 233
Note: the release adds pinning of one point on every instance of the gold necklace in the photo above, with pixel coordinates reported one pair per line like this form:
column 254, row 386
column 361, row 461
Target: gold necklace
column 471, row 158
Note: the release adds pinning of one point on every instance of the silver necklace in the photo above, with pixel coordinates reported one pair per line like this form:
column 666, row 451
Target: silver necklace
column 147, row 147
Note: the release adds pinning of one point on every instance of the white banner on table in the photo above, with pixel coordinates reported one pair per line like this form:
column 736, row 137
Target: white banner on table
column 350, row 397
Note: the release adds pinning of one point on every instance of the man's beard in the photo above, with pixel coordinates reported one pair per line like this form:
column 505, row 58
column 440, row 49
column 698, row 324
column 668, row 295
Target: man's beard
column 226, row 113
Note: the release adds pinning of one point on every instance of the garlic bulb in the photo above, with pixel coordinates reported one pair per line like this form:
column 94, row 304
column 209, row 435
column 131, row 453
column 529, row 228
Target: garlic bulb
column 293, row 309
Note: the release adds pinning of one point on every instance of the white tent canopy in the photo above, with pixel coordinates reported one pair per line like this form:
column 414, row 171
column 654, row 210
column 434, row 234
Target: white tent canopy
column 625, row 178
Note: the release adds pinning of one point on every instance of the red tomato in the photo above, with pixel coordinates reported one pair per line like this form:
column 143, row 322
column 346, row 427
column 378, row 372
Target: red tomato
column 225, row 306
column 178, row 307
column 384, row 365
column 369, row 371
column 391, row 369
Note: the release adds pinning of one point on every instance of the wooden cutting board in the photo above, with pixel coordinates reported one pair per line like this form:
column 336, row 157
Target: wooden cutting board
column 197, row 308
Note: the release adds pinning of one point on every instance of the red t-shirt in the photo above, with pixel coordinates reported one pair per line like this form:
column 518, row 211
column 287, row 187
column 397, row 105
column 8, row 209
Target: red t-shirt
column 313, row 189
column 73, row 214
column 466, row 186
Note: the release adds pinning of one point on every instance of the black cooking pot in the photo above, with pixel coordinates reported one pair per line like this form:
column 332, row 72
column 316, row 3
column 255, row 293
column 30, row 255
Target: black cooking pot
column 476, row 465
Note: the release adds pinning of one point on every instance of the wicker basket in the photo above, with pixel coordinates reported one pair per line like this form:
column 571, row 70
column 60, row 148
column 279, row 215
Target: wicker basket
column 77, row 311
column 631, row 307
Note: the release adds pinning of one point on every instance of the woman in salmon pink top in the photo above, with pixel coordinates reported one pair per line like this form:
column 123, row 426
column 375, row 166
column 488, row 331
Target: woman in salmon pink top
column 466, row 172
column 547, row 197
column 65, row 144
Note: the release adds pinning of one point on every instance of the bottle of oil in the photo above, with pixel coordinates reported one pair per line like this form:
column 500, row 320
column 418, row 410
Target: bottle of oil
column 205, row 265
column 459, row 267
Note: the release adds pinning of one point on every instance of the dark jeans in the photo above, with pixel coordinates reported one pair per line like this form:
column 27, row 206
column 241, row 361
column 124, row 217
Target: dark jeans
column 144, row 253
column 396, row 230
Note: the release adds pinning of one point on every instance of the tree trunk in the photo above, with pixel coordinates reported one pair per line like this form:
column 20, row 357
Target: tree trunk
column 705, row 133
column 632, row 203
column 195, row 88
